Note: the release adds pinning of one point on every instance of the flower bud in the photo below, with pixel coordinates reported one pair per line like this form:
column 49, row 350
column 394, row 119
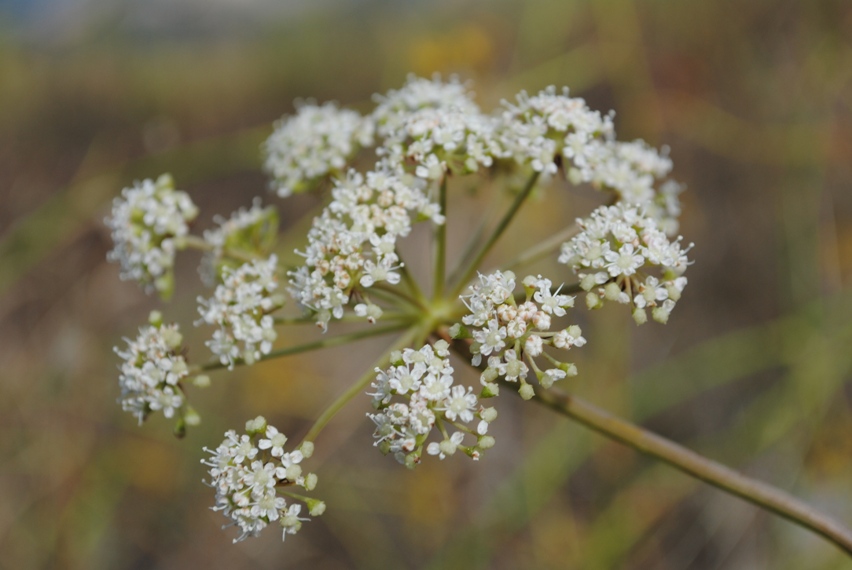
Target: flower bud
column 256, row 426
column 315, row 507
column 488, row 414
column 307, row 448
column 310, row 482
column 485, row 442
column 201, row 381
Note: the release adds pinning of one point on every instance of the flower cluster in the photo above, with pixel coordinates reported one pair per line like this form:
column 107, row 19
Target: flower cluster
column 424, row 381
column 436, row 127
column 612, row 255
column 316, row 141
column 548, row 126
column 353, row 243
column 241, row 307
column 249, row 473
column 251, row 231
column 538, row 129
column 147, row 223
column 513, row 335
column 393, row 108
column 152, row 372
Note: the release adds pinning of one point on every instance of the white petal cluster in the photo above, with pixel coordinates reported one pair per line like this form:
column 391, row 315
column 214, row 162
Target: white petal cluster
column 247, row 230
column 353, row 243
column 512, row 336
column 147, row 222
column 317, row 140
column 416, row 394
column 394, row 108
column 241, row 307
column 615, row 251
column 151, row 373
column 435, row 127
column 247, row 471
column 550, row 126
column 438, row 140
column 536, row 129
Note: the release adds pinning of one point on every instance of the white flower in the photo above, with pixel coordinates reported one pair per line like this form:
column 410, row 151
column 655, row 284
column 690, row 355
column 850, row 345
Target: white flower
column 147, row 223
column 615, row 251
column 315, row 141
column 352, row 245
column 423, row 379
column 509, row 333
column 241, row 307
column 537, row 130
column 274, row 440
column 152, row 371
column 247, row 491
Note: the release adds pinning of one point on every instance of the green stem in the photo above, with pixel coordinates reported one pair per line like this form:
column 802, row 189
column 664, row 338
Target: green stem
column 415, row 335
column 410, row 282
column 440, row 258
column 543, row 249
column 756, row 492
column 387, row 290
column 326, row 342
column 495, row 235
column 196, row 242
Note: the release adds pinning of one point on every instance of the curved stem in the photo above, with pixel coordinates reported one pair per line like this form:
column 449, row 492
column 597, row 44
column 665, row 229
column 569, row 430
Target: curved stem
column 495, row 235
column 325, row 342
column 440, row 257
column 756, row 492
column 415, row 335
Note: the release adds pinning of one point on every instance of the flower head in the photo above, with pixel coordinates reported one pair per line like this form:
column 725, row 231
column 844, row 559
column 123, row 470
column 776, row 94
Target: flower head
column 614, row 254
column 241, row 306
column 312, row 143
column 147, row 223
column 352, row 245
column 247, row 475
column 422, row 380
column 152, row 371
column 512, row 335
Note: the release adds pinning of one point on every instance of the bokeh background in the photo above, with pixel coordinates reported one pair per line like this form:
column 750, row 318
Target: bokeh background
column 753, row 98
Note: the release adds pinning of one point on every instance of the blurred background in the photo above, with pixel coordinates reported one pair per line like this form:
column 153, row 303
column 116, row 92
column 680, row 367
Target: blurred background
column 753, row 98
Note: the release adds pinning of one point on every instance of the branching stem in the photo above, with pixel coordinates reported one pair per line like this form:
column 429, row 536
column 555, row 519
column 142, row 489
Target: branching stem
column 495, row 235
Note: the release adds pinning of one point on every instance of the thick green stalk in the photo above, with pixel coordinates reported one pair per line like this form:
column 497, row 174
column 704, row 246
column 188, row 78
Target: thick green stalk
column 761, row 494
column 495, row 235
column 756, row 492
